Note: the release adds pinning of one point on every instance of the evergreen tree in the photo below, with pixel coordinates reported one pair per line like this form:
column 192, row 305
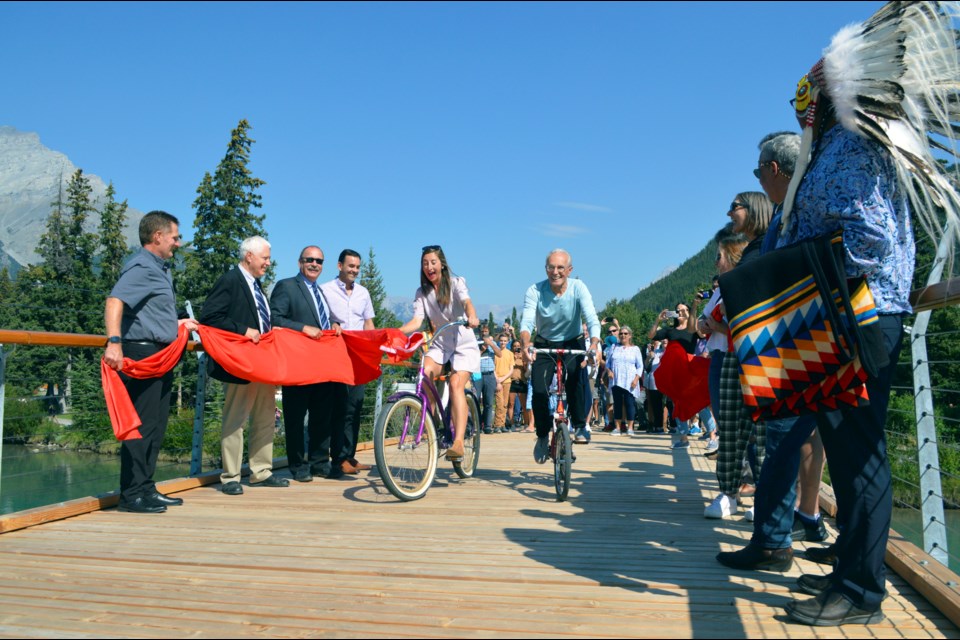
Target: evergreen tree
column 223, row 219
column 9, row 302
column 113, row 245
column 371, row 279
column 514, row 321
column 80, row 247
column 62, row 290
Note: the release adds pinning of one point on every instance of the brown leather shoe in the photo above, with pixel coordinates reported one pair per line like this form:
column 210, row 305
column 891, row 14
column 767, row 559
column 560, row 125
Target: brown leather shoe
column 359, row 465
column 348, row 468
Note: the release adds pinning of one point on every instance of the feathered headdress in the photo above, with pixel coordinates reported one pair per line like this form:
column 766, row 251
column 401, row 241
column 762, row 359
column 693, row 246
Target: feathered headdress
column 895, row 79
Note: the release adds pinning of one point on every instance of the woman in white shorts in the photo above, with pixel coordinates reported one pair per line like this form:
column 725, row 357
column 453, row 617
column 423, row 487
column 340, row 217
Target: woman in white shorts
column 443, row 297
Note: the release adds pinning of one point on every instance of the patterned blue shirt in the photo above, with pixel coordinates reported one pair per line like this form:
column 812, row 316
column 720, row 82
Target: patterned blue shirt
column 852, row 185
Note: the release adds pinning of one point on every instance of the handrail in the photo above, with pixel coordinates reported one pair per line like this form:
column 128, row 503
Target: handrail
column 51, row 339
column 936, row 296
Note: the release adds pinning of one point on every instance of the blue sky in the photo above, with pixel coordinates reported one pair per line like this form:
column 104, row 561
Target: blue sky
column 619, row 131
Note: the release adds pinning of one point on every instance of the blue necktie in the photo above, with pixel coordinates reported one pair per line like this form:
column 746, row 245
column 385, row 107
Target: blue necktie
column 261, row 306
column 324, row 322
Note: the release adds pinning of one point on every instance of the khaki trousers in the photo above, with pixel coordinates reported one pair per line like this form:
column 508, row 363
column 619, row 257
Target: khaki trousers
column 254, row 401
column 500, row 411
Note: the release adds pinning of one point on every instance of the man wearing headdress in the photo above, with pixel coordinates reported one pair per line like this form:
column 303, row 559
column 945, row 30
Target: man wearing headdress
column 865, row 109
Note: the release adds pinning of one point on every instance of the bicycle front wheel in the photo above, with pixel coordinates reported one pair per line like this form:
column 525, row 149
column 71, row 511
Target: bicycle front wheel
column 562, row 461
column 406, row 466
column 471, row 441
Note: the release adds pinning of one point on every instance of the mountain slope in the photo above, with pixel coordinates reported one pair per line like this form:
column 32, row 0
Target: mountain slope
column 30, row 177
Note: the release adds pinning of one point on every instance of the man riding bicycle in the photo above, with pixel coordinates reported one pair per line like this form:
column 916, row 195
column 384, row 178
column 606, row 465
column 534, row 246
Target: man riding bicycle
column 556, row 307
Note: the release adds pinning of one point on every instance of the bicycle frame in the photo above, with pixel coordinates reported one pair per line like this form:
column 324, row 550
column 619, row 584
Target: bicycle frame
column 432, row 402
column 560, row 412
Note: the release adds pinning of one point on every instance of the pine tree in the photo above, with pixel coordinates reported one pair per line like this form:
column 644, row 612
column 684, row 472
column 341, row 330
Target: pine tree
column 371, row 279
column 62, row 289
column 113, row 245
column 9, row 302
column 80, row 247
column 50, row 248
column 223, row 205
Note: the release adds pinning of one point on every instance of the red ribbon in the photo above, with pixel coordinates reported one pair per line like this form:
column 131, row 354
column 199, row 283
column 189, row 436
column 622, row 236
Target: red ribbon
column 282, row 357
column 684, row 378
column 126, row 423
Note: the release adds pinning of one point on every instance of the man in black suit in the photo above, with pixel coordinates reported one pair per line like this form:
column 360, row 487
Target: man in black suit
column 238, row 303
column 298, row 303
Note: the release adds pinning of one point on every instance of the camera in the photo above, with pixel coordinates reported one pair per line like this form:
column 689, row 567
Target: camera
column 672, row 314
column 705, row 295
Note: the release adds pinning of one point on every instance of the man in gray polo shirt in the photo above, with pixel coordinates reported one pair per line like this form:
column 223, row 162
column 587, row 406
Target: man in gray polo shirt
column 141, row 319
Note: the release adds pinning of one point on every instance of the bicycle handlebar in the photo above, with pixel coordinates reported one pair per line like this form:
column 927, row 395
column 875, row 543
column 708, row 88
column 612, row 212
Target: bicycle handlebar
column 568, row 352
column 462, row 322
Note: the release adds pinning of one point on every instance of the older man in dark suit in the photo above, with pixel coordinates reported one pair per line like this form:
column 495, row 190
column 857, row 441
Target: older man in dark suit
column 238, row 303
column 298, row 303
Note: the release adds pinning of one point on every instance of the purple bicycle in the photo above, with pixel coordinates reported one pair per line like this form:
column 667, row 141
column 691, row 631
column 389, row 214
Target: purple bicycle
column 414, row 429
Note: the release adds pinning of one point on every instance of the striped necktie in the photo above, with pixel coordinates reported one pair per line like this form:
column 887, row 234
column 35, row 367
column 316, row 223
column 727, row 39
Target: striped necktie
column 261, row 306
column 324, row 321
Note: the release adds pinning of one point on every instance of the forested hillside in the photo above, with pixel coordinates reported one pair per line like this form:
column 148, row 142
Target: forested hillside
column 693, row 275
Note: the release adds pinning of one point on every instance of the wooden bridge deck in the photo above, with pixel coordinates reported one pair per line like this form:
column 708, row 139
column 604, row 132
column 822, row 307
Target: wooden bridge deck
column 630, row 555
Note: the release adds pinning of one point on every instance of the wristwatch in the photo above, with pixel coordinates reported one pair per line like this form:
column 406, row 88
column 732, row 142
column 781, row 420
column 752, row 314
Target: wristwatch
column 114, row 339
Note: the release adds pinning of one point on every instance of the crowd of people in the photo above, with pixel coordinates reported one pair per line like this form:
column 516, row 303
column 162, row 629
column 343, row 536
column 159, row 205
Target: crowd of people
column 840, row 174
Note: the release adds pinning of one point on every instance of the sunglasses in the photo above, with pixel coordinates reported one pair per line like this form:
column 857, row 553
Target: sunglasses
column 430, row 247
column 309, row 260
column 756, row 172
column 736, row 205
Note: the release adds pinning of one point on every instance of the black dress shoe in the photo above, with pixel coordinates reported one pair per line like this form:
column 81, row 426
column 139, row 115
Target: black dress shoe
column 320, row 471
column 336, row 472
column 823, row 555
column 166, row 501
column 814, row 584
column 141, row 505
column 803, row 531
column 232, row 488
column 303, row 475
column 831, row 609
column 754, row 557
column 272, row 481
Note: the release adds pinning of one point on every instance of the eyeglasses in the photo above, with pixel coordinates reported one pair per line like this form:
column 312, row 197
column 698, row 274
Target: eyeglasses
column 430, row 247
column 625, row 333
column 309, row 260
column 756, row 172
column 736, row 205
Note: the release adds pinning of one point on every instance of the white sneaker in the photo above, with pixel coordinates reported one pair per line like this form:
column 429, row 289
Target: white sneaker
column 721, row 507
column 748, row 515
column 615, row 432
column 632, row 432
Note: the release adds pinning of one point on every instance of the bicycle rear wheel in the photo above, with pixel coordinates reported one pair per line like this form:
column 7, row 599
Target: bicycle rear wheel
column 562, row 460
column 471, row 441
column 406, row 466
